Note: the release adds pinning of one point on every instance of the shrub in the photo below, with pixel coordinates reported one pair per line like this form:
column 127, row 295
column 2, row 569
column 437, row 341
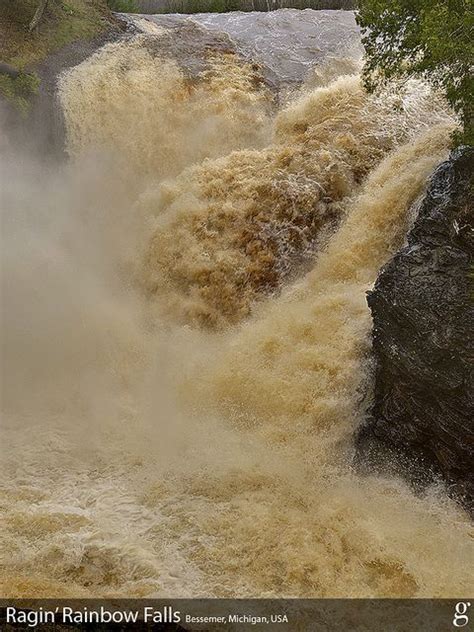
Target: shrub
column 19, row 90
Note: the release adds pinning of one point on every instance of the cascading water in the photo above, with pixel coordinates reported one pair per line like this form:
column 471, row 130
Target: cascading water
column 186, row 344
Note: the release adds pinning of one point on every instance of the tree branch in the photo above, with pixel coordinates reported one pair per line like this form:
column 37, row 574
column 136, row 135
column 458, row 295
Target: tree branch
column 38, row 14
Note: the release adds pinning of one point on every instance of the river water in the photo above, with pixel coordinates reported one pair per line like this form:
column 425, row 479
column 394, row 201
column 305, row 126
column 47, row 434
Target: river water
column 186, row 339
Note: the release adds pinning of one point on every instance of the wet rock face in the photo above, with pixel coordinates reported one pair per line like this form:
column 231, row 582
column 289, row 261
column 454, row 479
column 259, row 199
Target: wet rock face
column 189, row 45
column 422, row 308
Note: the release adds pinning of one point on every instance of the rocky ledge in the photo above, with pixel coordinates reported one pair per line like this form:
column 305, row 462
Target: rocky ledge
column 422, row 418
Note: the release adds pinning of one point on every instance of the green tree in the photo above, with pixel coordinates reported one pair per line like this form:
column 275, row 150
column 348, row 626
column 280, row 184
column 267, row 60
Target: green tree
column 432, row 39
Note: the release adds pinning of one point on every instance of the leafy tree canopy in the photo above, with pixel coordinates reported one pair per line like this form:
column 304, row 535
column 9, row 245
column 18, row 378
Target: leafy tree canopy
column 432, row 39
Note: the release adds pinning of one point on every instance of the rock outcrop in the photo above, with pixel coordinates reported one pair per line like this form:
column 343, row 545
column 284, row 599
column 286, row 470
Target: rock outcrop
column 422, row 308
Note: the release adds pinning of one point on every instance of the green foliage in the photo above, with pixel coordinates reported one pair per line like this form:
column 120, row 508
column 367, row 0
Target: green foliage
column 63, row 22
column 19, row 90
column 432, row 39
column 123, row 6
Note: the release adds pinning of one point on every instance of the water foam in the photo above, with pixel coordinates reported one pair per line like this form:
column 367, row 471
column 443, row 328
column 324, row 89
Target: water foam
column 140, row 457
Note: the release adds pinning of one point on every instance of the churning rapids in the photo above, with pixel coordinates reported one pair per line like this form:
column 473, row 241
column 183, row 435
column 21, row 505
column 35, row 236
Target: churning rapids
column 186, row 340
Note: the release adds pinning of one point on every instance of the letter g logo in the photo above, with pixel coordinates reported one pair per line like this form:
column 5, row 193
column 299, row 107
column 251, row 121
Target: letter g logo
column 461, row 618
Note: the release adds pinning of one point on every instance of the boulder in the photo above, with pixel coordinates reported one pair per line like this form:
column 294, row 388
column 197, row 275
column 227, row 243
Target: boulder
column 422, row 306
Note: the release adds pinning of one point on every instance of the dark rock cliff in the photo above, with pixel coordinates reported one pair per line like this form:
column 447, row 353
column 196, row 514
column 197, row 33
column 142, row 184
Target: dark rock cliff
column 422, row 420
